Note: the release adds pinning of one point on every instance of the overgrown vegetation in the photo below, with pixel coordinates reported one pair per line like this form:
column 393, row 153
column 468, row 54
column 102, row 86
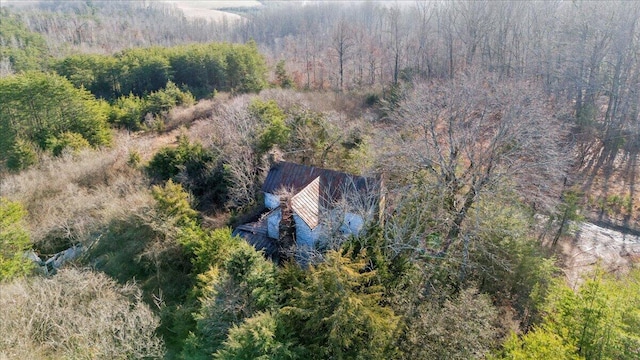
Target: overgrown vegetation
column 76, row 314
column 44, row 112
column 146, row 149
column 14, row 241
column 135, row 113
column 201, row 171
column 598, row 321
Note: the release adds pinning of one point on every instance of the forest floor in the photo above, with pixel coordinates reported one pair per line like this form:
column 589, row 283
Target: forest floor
column 609, row 234
column 607, row 180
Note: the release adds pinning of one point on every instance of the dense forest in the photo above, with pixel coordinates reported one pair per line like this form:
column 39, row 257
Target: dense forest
column 134, row 139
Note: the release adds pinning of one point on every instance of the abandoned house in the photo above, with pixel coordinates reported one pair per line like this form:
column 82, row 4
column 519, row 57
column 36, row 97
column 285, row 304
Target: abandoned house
column 306, row 208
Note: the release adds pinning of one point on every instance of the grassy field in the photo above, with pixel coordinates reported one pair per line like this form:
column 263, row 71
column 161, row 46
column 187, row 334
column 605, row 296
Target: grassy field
column 217, row 5
column 213, row 10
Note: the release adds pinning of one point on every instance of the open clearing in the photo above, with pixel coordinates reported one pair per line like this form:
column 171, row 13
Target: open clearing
column 213, row 10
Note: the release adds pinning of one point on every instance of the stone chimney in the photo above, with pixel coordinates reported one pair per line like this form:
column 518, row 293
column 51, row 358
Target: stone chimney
column 286, row 230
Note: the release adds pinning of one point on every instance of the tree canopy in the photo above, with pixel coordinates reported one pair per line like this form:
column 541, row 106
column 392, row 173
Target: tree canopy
column 38, row 109
column 20, row 49
column 198, row 68
column 599, row 320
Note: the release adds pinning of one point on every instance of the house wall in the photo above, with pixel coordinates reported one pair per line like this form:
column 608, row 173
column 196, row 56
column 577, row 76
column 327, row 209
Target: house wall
column 304, row 235
column 352, row 224
column 271, row 201
column 273, row 222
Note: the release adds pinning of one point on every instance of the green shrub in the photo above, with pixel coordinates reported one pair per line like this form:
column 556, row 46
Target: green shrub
column 276, row 133
column 538, row 344
column 156, row 123
column 37, row 107
column 173, row 202
column 14, row 241
column 128, row 112
column 134, row 159
column 206, row 248
column 372, row 99
column 22, row 155
column 199, row 170
column 165, row 99
column 67, row 140
column 166, row 163
column 628, row 204
column 274, row 129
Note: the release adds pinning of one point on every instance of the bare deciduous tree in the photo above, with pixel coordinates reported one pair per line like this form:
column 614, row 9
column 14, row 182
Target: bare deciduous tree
column 342, row 42
column 466, row 136
column 234, row 139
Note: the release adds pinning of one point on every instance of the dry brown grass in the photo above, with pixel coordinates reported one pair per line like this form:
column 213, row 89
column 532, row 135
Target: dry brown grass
column 75, row 315
column 185, row 116
column 68, row 198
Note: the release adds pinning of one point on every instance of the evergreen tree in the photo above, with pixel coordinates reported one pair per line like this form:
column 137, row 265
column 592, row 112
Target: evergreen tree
column 259, row 337
column 14, row 241
column 337, row 312
column 231, row 291
column 40, row 108
column 282, row 77
column 598, row 321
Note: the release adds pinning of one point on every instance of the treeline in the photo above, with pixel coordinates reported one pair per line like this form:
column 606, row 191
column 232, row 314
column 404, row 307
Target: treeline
column 44, row 112
column 200, row 69
column 107, row 27
column 29, row 36
column 582, row 52
column 20, row 48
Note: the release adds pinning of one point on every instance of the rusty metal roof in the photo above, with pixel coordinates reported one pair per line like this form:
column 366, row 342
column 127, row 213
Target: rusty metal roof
column 306, row 203
column 332, row 184
column 256, row 234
